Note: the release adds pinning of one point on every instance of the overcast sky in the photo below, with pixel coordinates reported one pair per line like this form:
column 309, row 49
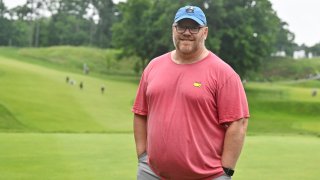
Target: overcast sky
column 303, row 17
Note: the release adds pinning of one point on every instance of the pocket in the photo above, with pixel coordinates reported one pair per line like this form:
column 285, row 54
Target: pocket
column 223, row 177
column 142, row 157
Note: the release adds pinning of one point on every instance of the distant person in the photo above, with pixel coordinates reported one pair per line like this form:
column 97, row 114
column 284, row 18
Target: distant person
column 102, row 89
column 85, row 69
column 314, row 92
column 67, row 79
column 81, row 85
column 191, row 111
column 72, row 82
column 244, row 82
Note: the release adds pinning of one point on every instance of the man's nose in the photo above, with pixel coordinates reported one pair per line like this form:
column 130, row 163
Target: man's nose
column 187, row 31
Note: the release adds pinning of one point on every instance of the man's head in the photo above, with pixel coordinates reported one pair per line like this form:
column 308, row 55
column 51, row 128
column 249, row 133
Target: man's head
column 189, row 30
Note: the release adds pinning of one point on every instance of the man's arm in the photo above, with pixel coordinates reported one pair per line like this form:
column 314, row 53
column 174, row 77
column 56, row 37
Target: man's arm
column 140, row 133
column 233, row 142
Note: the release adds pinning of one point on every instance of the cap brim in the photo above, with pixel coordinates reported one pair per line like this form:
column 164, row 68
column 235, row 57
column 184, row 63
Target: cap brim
column 190, row 17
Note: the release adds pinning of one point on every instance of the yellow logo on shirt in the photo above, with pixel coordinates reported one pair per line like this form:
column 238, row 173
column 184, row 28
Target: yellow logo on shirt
column 197, row 84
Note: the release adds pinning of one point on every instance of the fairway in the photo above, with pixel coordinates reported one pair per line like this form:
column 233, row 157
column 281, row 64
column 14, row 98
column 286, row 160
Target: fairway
column 37, row 98
column 279, row 158
column 66, row 156
column 112, row 156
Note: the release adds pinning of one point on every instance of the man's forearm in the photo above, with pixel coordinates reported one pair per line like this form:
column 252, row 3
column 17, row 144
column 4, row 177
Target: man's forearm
column 140, row 133
column 233, row 142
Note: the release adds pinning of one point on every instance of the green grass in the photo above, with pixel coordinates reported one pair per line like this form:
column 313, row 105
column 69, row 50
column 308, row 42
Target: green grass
column 38, row 99
column 52, row 130
column 282, row 109
column 287, row 69
column 111, row 156
column 70, row 58
column 279, row 158
column 41, row 100
column 66, row 156
column 8, row 122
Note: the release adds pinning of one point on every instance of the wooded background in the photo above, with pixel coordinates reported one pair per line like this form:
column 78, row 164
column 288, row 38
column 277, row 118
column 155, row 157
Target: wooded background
column 242, row 32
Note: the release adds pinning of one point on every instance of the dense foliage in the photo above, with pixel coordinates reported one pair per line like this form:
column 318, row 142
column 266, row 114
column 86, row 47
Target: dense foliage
column 242, row 32
column 40, row 23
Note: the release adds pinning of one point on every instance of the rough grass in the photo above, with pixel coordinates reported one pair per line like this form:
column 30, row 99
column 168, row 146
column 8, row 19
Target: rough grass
column 288, row 69
column 70, row 58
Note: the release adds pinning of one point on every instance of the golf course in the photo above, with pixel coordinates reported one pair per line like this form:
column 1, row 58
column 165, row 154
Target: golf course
column 52, row 129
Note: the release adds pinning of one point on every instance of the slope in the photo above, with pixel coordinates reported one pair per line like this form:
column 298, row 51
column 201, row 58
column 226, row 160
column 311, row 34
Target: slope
column 41, row 100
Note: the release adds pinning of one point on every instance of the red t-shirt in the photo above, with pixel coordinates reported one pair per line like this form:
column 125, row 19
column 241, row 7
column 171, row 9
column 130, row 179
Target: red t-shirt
column 186, row 106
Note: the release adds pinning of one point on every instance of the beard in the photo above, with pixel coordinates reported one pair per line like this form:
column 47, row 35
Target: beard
column 186, row 44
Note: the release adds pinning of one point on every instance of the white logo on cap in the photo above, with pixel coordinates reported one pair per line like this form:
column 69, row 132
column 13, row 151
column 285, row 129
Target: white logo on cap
column 190, row 9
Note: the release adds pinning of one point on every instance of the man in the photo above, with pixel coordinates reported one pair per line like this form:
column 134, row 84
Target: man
column 191, row 111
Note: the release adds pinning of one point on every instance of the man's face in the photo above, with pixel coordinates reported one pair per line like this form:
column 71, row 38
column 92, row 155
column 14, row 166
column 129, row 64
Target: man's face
column 188, row 36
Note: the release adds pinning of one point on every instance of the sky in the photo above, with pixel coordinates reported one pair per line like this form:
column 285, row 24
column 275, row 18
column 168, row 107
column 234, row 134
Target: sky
column 302, row 16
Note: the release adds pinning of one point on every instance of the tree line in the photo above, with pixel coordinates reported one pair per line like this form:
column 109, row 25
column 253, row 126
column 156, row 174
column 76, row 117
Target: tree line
column 242, row 32
column 41, row 23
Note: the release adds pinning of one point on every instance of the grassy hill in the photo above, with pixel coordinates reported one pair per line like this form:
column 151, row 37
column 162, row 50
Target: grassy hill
column 68, row 58
column 276, row 69
column 283, row 108
column 35, row 96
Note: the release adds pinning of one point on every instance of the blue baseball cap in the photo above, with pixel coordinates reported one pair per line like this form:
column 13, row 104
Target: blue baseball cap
column 191, row 12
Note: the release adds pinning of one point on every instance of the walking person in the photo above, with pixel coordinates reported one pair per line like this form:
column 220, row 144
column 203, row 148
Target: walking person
column 191, row 111
column 81, row 85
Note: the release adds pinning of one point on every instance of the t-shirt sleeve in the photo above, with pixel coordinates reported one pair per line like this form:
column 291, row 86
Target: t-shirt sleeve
column 140, row 104
column 232, row 101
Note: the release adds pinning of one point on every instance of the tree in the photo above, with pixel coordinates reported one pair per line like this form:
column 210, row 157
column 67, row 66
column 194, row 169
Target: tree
column 244, row 33
column 67, row 24
column 157, row 23
column 144, row 29
column 129, row 33
column 4, row 33
column 241, row 32
column 284, row 41
column 3, row 9
column 15, row 32
column 37, row 8
column 315, row 50
column 106, row 12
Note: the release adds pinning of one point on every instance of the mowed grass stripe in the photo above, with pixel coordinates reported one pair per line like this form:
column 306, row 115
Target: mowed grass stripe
column 112, row 156
column 67, row 156
column 278, row 108
column 279, row 158
column 40, row 98
column 8, row 121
